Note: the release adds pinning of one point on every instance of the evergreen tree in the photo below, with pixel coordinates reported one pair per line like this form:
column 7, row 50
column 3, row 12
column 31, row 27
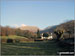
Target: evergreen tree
column 38, row 34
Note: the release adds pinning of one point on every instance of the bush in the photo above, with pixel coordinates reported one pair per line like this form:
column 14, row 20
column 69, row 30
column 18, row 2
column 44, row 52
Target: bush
column 9, row 40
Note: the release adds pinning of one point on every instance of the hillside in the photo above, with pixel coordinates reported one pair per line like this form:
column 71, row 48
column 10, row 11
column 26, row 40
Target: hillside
column 30, row 28
column 68, row 27
column 48, row 29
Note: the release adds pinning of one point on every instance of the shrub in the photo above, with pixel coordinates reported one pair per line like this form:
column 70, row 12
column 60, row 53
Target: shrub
column 9, row 40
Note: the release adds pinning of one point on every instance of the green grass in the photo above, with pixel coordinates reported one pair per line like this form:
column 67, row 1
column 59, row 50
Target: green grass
column 11, row 37
column 33, row 48
column 30, row 48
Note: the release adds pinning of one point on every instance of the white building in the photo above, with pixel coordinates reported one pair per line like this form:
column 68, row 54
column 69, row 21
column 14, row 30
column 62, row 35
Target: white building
column 49, row 37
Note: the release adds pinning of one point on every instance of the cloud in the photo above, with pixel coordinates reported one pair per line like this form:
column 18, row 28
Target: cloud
column 23, row 25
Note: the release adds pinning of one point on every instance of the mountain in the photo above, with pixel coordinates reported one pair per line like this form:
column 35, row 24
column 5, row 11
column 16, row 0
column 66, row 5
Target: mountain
column 48, row 29
column 30, row 28
column 67, row 26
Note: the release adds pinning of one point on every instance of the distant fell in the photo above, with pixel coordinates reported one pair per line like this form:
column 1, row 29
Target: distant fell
column 30, row 28
column 67, row 26
column 48, row 29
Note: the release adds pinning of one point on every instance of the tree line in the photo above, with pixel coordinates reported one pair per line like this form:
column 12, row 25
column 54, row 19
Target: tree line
column 6, row 31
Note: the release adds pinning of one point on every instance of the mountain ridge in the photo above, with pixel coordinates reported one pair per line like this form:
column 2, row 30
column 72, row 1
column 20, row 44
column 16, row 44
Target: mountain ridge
column 30, row 28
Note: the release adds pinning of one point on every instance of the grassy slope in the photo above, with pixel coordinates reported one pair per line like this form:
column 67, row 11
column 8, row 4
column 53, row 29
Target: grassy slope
column 11, row 37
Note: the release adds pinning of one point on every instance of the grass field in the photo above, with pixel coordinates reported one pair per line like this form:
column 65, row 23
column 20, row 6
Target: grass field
column 11, row 37
column 34, row 48
column 24, row 47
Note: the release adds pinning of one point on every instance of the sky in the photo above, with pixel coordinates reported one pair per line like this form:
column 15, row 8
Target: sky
column 42, row 13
